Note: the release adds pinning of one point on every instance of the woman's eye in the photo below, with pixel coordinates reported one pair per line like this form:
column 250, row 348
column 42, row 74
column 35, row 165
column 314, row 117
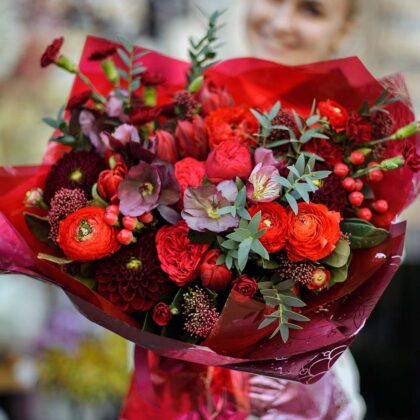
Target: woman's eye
column 312, row 8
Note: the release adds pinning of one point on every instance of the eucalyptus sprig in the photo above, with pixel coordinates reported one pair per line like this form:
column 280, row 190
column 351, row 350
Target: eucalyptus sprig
column 280, row 296
column 203, row 52
column 302, row 180
column 238, row 207
column 242, row 242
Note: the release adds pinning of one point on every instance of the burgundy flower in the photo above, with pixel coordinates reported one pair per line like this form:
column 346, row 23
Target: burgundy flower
column 285, row 118
column 326, row 149
column 78, row 100
column 149, row 78
column 213, row 97
column 186, row 105
column 165, row 146
column 245, row 286
column 411, row 157
column 102, row 54
column 191, row 138
column 382, row 124
column 109, row 180
column 146, row 187
column 162, row 314
column 213, row 276
column 331, row 193
column 52, row 52
column 143, row 115
column 359, row 129
column 132, row 278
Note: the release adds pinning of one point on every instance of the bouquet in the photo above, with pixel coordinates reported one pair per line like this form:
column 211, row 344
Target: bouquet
column 238, row 214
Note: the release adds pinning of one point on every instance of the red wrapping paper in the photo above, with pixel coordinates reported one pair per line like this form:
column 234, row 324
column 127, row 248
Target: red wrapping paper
column 336, row 315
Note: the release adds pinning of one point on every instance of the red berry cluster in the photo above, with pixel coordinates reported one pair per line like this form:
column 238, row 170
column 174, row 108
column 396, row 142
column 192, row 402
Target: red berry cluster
column 129, row 224
column 354, row 186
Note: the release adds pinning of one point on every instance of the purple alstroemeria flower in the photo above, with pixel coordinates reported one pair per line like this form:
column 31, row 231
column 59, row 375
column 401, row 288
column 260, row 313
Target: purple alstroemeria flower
column 261, row 187
column 147, row 187
column 89, row 128
column 200, row 209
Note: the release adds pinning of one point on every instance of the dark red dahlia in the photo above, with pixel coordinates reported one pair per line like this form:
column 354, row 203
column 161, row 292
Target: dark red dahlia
column 286, row 118
column 382, row 125
column 331, row 193
column 132, row 278
column 63, row 203
column 99, row 55
column 74, row 170
column 52, row 52
column 411, row 157
column 359, row 129
column 326, row 149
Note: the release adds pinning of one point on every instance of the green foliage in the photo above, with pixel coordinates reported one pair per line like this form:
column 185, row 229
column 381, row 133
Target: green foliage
column 281, row 297
column 340, row 255
column 301, row 181
column 203, row 52
column 238, row 207
column 54, row 259
column 339, row 274
column 363, row 234
column 383, row 100
column 242, row 242
column 39, row 226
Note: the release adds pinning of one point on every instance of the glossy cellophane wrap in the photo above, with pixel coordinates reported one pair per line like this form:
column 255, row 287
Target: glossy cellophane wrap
column 236, row 343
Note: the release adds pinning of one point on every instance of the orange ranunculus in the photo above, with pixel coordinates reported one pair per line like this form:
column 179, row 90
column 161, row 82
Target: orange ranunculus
column 274, row 221
column 312, row 233
column 84, row 236
column 235, row 123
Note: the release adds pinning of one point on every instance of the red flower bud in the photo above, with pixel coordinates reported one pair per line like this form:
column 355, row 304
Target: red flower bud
column 113, row 208
column 125, row 237
column 213, row 97
column 109, row 180
column 245, row 286
column 129, row 222
column 320, row 278
column 161, row 314
column 146, row 218
column 52, row 52
column 165, row 146
column 110, row 218
column 213, row 276
column 191, row 138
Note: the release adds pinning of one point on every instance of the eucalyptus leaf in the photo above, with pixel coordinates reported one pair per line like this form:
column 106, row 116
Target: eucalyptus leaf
column 54, row 259
column 363, row 234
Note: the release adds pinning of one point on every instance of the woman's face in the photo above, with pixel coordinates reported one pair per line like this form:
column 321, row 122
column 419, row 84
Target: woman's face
column 297, row 31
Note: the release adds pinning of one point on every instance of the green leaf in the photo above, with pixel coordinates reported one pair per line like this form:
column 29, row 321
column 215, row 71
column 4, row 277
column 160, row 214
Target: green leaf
column 284, row 332
column 225, row 210
column 272, row 301
column 363, row 234
column 297, row 120
column 269, row 292
column 125, row 43
column 124, row 57
column 321, row 174
column 39, row 226
column 201, row 238
column 339, row 256
column 312, row 120
column 282, row 181
column 97, row 199
column 274, row 110
column 292, row 203
column 292, row 301
column 51, row 122
column 266, row 322
column 122, row 73
column 54, row 259
column 268, row 264
column 255, row 222
column 339, row 275
column 277, row 143
column 259, row 249
column 285, row 285
column 243, row 213
column 295, row 316
column 229, row 244
column 220, row 259
column 229, row 261
column 300, row 164
column 294, row 171
column 300, row 188
column 135, row 84
column 243, row 252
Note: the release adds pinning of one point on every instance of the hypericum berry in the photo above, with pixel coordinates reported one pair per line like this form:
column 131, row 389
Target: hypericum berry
column 348, row 184
column 110, row 218
column 359, row 184
column 357, row 157
column 380, row 206
column 364, row 213
column 356, row 198
column 341, row 169
column 376, row 175
column 125, row 236
column 146, row 218
column 113, row 208
column 129, row 222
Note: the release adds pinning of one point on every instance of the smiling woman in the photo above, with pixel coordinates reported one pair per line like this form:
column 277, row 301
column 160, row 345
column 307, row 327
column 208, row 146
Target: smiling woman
column 299, row 31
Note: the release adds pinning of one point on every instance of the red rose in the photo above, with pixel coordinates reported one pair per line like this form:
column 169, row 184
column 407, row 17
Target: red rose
column 213, row 97
column 274, row 221
column 52, row 52
column 336, row 114
column 84, row 235
column 109, row 180
column 161, row 314
column 179, row 258
column 327, row 149
column 189, row 173
column 191, row 138
column 359, row 129
column 165, row 146
column 235, row 123
column 411, row 157
column 228, row 160
column 213, row 276
column 312, row 233
column 245, row 286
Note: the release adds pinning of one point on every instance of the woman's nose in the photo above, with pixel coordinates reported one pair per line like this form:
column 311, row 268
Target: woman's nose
column 284, row 18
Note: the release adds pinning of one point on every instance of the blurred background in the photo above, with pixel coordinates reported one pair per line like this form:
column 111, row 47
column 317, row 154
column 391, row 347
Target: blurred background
column 77, row 366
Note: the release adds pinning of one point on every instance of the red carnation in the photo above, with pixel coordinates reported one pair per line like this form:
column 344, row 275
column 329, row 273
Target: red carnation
column 274, row 221
column 52, row 52
column 336, row 114
column 245, row 286
column 411, row 157
column 213, row 276
column 235, row 123
column 327, row 149
column 152, row 79
column 359, row 129
column 109, row 180
column 78, row 100
column 162, row 314
column 99, row 55
column 179, row 258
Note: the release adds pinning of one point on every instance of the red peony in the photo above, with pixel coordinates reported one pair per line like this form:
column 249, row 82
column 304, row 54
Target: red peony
column 179, row 258
column 162, row 314
column 359, row 129
column 84, row 236
column 109, row 180
column 228, row 160
column 235, row 123
column 336, row 114
column 274, row 221
column 189, row 172
column 213, row 276
column 52, row 52
column 327, row 149
column 312, row 233
column 245, row 286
